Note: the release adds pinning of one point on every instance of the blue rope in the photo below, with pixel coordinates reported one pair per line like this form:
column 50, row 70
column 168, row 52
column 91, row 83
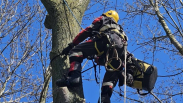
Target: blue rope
column 72, row 14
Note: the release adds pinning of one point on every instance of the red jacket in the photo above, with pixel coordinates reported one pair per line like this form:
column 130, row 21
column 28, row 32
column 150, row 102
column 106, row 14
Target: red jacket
column 101, row 23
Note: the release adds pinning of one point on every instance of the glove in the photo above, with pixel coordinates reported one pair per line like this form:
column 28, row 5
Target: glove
column 67, row 49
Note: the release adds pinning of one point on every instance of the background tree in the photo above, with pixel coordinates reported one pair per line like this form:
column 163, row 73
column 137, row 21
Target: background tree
column 23, row 50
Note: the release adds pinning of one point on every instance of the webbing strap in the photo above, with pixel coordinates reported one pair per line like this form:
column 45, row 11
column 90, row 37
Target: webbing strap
column 99, row 53
column 108, row 26
column 120, row 34
column 143, row 94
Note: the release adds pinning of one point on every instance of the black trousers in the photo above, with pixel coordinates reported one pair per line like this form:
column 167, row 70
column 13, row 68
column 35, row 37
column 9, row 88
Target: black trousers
column 88, row 48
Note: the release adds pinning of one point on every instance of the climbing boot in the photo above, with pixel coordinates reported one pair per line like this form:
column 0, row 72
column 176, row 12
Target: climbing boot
column 104, row 99
column 73, row 80
column 106, row 94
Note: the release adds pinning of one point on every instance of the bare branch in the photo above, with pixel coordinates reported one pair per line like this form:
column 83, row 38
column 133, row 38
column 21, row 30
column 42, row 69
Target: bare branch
column 181, row 2
column 167, row 30
column 173, row 20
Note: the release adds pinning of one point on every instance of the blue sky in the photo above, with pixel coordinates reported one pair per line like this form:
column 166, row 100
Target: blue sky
column 91, row 88
column 161, row 61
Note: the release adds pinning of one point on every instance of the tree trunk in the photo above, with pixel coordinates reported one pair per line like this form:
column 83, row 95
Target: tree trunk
column 64, row 29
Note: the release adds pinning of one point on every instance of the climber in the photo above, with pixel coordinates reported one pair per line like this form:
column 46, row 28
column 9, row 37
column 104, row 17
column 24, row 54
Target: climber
column 103, row 30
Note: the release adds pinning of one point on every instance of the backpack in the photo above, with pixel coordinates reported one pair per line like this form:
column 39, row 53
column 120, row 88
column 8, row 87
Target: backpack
column 144, row 75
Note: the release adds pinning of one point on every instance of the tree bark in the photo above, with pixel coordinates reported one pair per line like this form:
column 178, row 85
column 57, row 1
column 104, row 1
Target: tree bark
column 64, row 29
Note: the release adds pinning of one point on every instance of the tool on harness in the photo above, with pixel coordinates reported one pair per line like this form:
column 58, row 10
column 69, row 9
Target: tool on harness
column 144, row 74
column 147, row 78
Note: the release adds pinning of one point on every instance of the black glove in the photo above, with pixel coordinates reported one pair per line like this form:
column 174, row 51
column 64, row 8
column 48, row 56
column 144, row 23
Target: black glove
column 67, row 49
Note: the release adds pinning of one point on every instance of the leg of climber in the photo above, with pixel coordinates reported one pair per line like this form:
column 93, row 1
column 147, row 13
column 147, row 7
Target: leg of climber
column 76, row 56
column 109, row 82
column 74, row 76
column 111, row 78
